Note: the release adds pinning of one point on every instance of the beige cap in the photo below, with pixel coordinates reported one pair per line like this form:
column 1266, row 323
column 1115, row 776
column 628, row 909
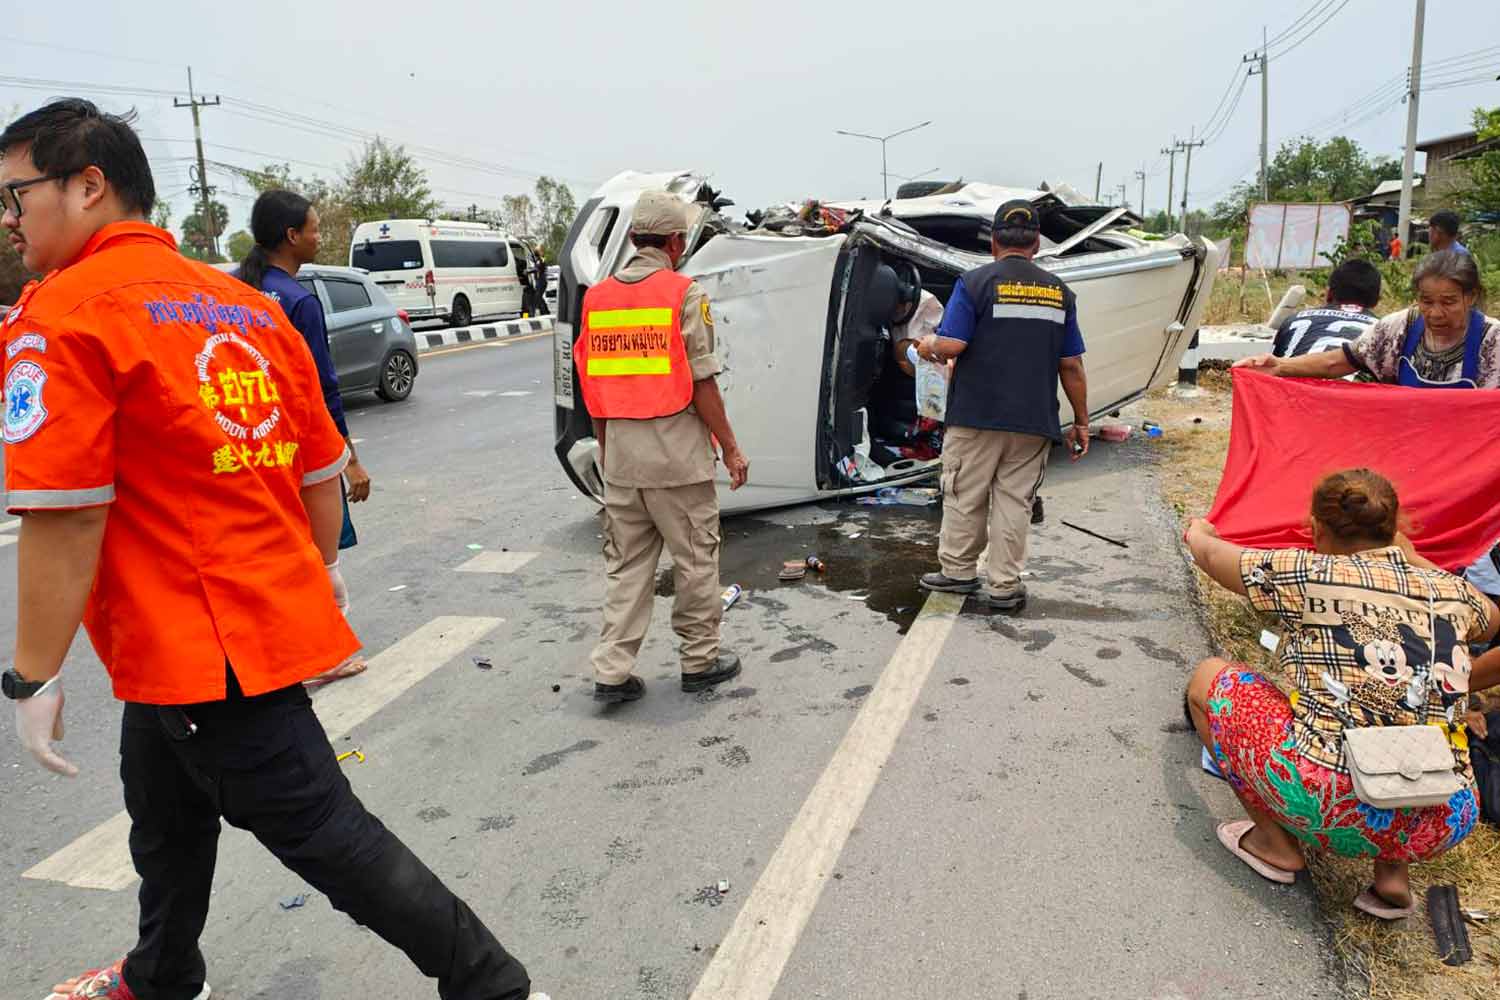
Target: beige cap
column 659, row 214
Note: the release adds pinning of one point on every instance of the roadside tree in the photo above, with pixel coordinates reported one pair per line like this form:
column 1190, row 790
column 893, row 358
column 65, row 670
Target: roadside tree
column 1481, row 196
column 385, row 182
column 196, row 241
column 238, row 245
column 556, row 209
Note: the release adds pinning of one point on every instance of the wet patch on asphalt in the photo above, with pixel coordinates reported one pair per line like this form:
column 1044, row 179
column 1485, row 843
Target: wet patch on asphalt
column 1085, row 676
column 547, row 761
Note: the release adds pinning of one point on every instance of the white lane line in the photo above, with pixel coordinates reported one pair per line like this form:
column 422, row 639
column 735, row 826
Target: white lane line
column 8, row 525
column 497, row 562
column 100, row 859
column 8, row 540
column 517, row 392
column 754, row 953
column 480, row 393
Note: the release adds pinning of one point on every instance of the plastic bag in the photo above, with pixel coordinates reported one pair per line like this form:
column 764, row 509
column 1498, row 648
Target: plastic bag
column 932, row 389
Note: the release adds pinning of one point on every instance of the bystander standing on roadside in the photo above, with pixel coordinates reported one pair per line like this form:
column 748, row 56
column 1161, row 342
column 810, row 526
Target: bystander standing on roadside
column 285, row 228
column 1442, row 232
column 1013, row 329
column 177, row 479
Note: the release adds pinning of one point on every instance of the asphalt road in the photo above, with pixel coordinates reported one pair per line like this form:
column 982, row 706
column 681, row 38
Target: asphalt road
column 1010, row 806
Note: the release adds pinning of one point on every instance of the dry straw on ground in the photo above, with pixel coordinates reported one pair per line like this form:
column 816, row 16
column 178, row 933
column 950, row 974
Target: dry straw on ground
column 1397, row 961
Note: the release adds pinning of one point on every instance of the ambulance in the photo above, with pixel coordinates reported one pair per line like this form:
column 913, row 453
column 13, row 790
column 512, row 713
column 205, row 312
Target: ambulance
column 441, row 270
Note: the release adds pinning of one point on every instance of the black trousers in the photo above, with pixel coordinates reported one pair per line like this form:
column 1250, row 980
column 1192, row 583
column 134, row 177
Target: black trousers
column 265, row 765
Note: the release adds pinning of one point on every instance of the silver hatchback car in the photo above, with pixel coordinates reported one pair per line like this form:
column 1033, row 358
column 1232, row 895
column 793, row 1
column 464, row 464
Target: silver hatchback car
column 372, row 342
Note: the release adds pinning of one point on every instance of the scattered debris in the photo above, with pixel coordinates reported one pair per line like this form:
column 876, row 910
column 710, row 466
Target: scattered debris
column 1152, row 428
column 1197, row 420
column 816, row 565
column 723, row 887
column 474, row 546
column 855, row 535
column 731, row 594
column 909, row 496
column 483, row 663
column 1095, row 534
column 399, row 586
column 1476, row 916
column 1114, row 432
column 1448, row 925
column 356, row 753
column 292, row 902
column 709, row 894
column 556, row 688
column 792, row 569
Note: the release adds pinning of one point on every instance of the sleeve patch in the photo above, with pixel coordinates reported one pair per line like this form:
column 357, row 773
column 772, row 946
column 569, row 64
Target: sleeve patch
column 24, row 410
column 708, row 317
column 26, row 342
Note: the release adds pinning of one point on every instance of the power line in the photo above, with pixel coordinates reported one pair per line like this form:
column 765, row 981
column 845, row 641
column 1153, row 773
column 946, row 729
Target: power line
column 1291, row 28
column 1312, row 31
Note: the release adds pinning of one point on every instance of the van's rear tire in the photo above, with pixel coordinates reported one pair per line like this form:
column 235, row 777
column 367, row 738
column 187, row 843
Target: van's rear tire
column 462, row 313
column 398, row 374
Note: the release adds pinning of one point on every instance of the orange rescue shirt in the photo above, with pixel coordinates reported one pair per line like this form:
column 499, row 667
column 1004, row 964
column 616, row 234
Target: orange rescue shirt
column 138, row 378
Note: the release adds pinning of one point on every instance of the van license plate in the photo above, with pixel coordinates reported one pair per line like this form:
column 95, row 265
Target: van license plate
column 562, row 365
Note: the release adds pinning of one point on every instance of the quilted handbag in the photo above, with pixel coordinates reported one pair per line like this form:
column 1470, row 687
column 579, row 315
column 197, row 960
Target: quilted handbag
column 1396, row 766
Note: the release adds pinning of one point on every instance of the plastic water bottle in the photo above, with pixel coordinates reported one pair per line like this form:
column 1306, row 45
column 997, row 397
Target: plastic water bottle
column 731, row 594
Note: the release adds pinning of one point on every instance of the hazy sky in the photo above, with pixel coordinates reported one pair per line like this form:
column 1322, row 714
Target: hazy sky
column 751, row 93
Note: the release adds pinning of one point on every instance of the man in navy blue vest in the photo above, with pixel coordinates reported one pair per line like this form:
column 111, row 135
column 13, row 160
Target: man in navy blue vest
column 1013, row 329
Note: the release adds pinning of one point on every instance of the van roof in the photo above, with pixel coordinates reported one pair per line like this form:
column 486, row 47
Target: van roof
column 450, row 223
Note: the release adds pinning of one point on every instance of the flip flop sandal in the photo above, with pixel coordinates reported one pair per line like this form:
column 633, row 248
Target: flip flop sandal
column 1375, row 905
column 1230, row 835
column 352, row 667
column 793, row 569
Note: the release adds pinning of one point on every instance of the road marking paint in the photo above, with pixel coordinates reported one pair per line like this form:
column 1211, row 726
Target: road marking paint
column 8, row 525
column 100, row 859
column 517, row 392
column 480, row 393
column 497, row 562
column 8, row 540
column 356, row 440
column 752, row 956
column 504, row 342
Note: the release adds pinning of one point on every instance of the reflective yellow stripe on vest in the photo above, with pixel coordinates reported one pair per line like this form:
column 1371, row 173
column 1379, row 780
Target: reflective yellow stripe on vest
column 630, row 319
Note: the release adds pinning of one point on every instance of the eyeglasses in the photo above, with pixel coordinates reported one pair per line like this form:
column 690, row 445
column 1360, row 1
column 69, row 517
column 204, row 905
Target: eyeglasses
column 10, row 194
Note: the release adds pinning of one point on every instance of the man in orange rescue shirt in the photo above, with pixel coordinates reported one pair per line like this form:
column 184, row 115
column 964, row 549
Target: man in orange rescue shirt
column 165, row 400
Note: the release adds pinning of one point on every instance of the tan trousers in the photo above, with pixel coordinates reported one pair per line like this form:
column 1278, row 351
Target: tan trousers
column 989, row 480
column 636, row 524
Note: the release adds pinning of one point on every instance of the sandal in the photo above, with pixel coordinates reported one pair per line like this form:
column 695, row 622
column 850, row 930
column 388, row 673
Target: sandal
column 1230, row 835
column 352, row 667
column 1378, row 906
column 792, row 569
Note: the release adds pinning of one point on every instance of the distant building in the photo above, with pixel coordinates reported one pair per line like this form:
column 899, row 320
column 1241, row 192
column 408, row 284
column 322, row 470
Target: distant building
column 1384, row 203
column 1445, row 171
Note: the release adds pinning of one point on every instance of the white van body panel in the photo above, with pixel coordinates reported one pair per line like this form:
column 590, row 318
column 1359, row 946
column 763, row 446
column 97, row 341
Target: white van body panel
column 467, row 260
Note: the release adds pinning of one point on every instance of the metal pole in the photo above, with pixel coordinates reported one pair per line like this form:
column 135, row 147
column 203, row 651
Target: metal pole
column 1141, row 208
column 208, row 215
column 1265, row 128
column 1098, row 182
column 1409, row 160
column 885, row 177
column 1187, row 171
column 1171, row 153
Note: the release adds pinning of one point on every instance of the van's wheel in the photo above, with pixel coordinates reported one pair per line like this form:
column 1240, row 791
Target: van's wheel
column 462, row 314
column 397, row 376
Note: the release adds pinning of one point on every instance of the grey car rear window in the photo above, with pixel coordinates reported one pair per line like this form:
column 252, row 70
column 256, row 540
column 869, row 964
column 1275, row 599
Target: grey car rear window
column 346, row 295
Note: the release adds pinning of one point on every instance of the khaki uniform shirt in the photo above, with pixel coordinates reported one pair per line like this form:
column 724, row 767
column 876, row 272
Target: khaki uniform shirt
column 675, row 450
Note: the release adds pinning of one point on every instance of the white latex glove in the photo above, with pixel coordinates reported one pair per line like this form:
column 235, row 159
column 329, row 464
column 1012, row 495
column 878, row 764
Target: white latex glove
column 39, row 721
column 340, row 590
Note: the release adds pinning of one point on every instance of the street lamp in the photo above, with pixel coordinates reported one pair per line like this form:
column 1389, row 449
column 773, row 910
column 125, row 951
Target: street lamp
column 917, row 177
column 885, row 177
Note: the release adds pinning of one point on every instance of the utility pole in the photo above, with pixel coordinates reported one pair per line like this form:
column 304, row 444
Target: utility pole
column 885, row 175
column 1409, row 160
column 201, row 187
column 1258, row 66
column 1098, row 181
column 1171, row 154
column 1187, row 171
column 1123, row 202
column 1141, row 176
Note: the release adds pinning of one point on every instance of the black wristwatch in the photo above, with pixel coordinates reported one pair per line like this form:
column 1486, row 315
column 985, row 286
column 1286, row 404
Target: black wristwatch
column 17, row 688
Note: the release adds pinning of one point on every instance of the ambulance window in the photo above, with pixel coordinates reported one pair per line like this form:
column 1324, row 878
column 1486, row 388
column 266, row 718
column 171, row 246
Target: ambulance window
column 469, row 253
column 346, row 295
column 392, row 255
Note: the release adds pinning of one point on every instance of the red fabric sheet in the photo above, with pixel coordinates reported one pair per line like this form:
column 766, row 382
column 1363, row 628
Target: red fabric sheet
column 1436, row 445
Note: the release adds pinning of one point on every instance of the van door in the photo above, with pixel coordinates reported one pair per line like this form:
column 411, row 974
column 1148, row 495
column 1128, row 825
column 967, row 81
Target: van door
column 356, row 330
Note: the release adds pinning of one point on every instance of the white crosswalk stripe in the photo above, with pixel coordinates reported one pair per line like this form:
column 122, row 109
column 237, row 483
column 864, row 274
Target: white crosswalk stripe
column 497, row 562
column 100, row 859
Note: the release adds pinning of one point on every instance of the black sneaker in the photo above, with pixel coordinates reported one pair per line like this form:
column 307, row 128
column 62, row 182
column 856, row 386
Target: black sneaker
column 633, row 689
column 948, row 585
column 727, row 666
column 1038, row 515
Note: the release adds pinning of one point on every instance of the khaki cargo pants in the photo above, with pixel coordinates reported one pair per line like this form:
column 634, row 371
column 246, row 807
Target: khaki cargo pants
column 989, row 480
column 636, row 524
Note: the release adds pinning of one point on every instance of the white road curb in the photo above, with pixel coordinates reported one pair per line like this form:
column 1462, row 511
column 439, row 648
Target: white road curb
column 431, row 340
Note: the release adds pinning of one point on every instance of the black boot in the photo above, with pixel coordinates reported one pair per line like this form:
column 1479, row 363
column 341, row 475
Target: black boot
column 727, row 666
column 633, row 689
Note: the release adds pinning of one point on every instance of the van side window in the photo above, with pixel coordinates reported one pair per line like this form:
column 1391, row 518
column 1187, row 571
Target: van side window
column 346, row 295
column 611, row 215
column 469, row 253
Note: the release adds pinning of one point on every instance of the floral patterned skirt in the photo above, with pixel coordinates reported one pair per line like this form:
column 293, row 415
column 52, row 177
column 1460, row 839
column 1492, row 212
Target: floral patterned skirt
column 1254, row 746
